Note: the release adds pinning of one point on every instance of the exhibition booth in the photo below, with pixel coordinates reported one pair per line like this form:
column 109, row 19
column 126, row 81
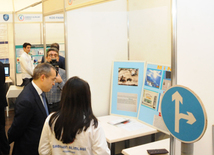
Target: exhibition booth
column 130, row 52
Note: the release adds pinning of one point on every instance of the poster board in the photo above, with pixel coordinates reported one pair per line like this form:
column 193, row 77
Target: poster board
column 157, row 81
column 4, row 48
column 127, row 82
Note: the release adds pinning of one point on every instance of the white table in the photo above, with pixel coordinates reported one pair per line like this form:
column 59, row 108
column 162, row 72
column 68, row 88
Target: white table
column 116, row 134
column 8, row 80
column 142, row 149
column 12, row 92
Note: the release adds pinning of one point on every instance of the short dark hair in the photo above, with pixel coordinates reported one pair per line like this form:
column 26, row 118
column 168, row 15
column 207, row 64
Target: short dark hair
column 52, row 49
column 55, row 45
column 26, row 44
column 43, row 68
column 75, row 114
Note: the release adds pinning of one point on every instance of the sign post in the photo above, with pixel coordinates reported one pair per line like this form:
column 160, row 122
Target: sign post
column 184, row 115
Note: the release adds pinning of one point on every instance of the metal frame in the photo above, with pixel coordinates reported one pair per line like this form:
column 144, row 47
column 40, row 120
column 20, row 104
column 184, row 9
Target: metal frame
column 65, row 37
column 44, row 29
column 173, row 58
column 128, row 29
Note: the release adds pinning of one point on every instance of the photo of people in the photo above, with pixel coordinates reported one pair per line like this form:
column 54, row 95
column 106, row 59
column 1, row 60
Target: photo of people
column 128, row 76
column 153, row 78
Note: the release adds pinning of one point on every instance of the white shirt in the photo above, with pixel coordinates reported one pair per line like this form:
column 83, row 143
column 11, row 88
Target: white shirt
column 27, row 66
column 89, row 142
column 39, row 91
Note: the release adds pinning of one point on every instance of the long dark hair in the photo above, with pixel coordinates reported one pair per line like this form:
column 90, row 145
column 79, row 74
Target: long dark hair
column 75, row 114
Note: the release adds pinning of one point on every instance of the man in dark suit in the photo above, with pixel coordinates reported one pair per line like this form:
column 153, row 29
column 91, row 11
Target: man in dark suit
column 31, row 111
column 4, row 145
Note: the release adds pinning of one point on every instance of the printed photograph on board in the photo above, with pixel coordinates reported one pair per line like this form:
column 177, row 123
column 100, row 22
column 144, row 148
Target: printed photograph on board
column 150, row 99
column 166, row 80
column 128, row 76
column 153, row 78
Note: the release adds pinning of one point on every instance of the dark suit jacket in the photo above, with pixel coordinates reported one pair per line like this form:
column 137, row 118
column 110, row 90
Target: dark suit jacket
column 3, row 102
column 28, row 122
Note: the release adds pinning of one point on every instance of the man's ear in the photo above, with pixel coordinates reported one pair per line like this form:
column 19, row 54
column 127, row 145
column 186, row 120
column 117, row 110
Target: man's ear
column 42, row 77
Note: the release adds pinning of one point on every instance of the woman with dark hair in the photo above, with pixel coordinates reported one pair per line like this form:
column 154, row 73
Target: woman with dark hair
column 73, row 129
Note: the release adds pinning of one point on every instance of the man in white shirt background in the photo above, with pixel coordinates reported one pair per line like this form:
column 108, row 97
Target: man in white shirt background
column 26, row 63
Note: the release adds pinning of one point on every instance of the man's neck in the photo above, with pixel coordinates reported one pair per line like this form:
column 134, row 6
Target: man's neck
column 26, row 52
column 37, row 83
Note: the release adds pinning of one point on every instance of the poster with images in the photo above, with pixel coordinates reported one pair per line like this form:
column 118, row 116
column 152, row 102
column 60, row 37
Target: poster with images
column 157, row 81
column 127, row 82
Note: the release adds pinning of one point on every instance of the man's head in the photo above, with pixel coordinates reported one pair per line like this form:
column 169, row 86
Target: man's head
column 44, row 76
column 27, row 47
column 55, row 45
column 52, row 53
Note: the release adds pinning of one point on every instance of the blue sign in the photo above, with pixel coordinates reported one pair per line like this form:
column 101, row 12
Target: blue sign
column 6, row 17
column 184, row 114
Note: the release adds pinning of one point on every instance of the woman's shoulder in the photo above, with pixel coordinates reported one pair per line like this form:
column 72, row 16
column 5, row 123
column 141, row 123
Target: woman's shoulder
column 49, row 116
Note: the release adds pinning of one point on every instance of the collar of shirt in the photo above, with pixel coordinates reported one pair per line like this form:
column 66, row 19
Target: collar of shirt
column 28, row 55
column 39, row 91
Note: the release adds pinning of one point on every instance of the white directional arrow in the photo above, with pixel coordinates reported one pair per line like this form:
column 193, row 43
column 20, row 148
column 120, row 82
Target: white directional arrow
column 190, row 117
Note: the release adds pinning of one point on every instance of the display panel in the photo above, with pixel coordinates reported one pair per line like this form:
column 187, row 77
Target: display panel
column 127, row 82
column 157, row 81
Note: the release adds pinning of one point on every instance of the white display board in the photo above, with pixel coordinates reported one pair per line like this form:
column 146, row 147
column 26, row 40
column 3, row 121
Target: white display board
column 97, row 35
column 54, row 33
column 4, row 52
column 150, row 30
column 195, row 59
column 28, row 32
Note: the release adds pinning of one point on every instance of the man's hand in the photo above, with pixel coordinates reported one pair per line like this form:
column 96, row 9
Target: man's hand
column 58, row 79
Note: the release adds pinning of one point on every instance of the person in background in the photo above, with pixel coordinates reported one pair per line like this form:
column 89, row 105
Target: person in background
column 54, row 95
column 61, row 61
column 4, row 145
column 26, row 63
column 73, row 129
column 31, row 110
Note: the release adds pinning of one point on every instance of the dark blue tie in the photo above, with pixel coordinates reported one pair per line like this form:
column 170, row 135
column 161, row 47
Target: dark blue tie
column 45, row 103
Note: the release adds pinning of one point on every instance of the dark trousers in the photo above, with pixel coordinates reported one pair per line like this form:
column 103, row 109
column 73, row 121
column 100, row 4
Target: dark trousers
column 4, row 144
column 25, row 81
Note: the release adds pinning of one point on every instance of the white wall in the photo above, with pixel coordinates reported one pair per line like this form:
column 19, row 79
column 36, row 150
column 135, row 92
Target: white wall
column 97, row 35
column 195, row 23
column 27, row 32
column 150, row 31
column 54, row 33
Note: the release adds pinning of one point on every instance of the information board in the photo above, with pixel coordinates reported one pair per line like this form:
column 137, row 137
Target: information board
column 127, row 82
column 157, row 81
